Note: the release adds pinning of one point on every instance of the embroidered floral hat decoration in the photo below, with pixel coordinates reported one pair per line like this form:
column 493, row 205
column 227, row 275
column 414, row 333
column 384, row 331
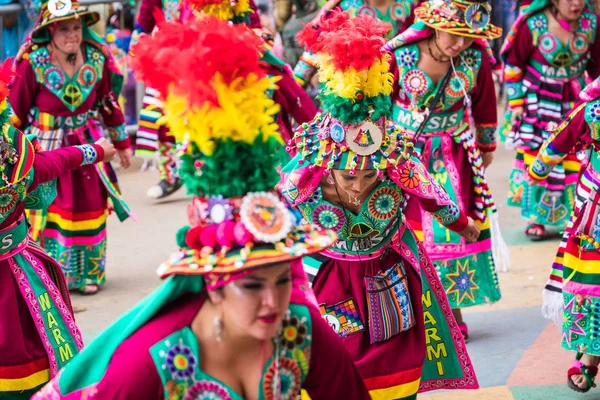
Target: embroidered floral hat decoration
column 354, row 131
column 471, row 18
column 216, row 103
column 61, row 10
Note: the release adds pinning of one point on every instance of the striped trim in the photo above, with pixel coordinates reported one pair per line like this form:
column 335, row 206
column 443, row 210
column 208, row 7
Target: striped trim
column 396, row 386
column 86, row 221
column 24, row 377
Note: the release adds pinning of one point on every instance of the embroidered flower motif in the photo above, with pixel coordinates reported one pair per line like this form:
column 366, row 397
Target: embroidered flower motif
column 415, row 82
column 54, row 78
column 328, row 217
column 585, row 22
column 408, row 178
column 459, row 85
column 87, row 76
column 594, row 112
column 384, row 203
column 407, row 58
column 96, row 57
column 205, row 390
column 40, row 59
column 8, row 199
column 538, row 23
column 469, row 58
column 287, row 387
column 181, row 362
column 315, row 197
column 293, row 333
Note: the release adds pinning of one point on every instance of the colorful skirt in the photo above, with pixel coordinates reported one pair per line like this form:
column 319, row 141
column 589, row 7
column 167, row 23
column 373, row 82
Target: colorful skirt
column 467, row 270
column 550, row 202
column 394, row 305
column 38, row 334
column 576, row 272
column 73, row 228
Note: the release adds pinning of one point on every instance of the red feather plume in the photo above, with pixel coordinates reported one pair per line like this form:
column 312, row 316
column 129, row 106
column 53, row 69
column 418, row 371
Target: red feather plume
column 7, row 74
column 186, row 57
column 351, row 42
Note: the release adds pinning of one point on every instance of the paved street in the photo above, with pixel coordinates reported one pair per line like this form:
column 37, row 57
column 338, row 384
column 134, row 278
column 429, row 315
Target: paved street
column 516, row 352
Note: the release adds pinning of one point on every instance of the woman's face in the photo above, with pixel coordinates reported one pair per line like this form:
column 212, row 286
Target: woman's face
column 356, row 185
column 256, row 304
column 570, row 9
column 452, row 45
column 67, row 35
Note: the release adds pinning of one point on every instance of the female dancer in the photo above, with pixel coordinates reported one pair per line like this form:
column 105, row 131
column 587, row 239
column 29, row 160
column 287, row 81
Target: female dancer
column 294, row 101
column 550, row 55
column 63, row 88
column 353, row 173
column 442, row 59
column 399, row 13
column 222, row 326
column 576, row 268
column 38, row 335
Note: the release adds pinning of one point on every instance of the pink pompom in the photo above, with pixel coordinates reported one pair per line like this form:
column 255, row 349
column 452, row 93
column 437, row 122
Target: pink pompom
column 225, row 235
column 209, row 236
column 192, row 238
column 241, row 234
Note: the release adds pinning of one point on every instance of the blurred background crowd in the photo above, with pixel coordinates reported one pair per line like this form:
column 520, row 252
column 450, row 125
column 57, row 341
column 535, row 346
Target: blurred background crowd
column 283, row 18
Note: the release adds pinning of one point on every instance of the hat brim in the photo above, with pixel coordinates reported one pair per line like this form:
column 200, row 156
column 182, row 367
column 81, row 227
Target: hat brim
column 187, row 262
column 424, row 13
column 90, row 18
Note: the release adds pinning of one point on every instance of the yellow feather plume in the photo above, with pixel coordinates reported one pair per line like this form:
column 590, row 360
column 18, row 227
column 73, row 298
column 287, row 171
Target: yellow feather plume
column 374, row 81
column 244, row 111
column 224, row 10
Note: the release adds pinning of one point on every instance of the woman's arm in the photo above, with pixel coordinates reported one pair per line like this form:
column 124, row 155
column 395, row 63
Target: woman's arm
column 515, row 61
column 484, row 107
column 48, row 165
column 413, row 178
column 572, row 130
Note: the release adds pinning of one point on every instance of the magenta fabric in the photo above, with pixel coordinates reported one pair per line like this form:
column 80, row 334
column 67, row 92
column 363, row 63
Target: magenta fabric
column 339, row 281
column 132, row 372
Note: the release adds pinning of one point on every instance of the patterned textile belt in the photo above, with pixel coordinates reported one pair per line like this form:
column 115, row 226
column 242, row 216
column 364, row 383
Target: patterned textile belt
column 48, row 122
column 561, row 74
column 438, row 122
column 13, row 238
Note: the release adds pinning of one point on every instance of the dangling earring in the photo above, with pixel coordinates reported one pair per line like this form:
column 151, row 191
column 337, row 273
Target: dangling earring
column 218, row 325
column 330, row 180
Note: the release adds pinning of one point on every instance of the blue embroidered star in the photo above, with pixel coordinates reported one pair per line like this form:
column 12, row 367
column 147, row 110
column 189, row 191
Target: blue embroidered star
column 462, row 282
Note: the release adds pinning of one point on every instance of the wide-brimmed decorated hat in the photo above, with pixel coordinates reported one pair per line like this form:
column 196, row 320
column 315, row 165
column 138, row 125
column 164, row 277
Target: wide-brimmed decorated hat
column 216, row 102
column 470, row 18
column 61, row 10
column 355, row 130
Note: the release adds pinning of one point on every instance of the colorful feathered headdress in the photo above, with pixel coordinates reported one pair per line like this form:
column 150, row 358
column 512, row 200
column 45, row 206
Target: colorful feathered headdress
column 217, row 104
column 355, row 131
column 236, row 11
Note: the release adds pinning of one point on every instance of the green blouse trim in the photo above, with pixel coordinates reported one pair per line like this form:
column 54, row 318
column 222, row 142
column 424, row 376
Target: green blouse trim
column 419, row 87
column 177, row 360
column 72, row 92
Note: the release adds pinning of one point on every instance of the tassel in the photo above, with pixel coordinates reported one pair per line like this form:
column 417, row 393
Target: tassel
column 500, row 250
column 553, row 306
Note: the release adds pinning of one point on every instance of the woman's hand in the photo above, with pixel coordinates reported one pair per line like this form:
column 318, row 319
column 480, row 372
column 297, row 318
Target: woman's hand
column 109, row 149
column 487, row 159
column 517, row 112
column 125, row 157
column 471, row 232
